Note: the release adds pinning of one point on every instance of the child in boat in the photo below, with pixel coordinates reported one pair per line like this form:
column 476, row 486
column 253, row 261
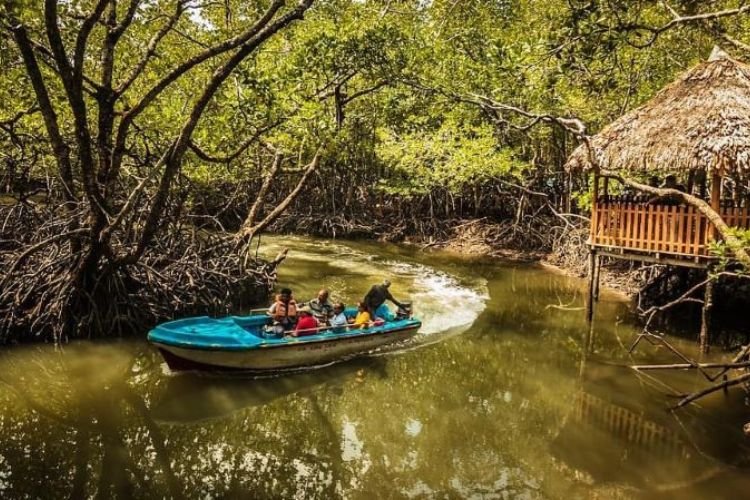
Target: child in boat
column 363, row 317
column 307, row 324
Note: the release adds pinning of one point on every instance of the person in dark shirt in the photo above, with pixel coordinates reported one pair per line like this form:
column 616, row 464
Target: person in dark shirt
column 375, row 301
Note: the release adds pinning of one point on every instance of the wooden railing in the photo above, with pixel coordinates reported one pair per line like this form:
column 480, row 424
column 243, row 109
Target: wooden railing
column 635, row 224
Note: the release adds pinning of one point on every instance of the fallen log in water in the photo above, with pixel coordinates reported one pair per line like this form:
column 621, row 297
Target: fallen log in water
column 689, row 366
column 740, row 362
column 689, row 398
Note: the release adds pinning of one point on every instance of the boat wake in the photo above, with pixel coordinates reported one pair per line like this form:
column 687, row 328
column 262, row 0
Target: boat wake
column 446, row 304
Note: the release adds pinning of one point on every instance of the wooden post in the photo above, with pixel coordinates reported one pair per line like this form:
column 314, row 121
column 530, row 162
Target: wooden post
column 598, row 268
column 708, row 304
column 593, row 278
column 691, row 182
column 701, row 180
column 595, row 192
column 594, row 224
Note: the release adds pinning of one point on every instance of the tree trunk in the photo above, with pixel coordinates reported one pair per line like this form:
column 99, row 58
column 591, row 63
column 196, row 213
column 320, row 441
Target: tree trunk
column 247, row 231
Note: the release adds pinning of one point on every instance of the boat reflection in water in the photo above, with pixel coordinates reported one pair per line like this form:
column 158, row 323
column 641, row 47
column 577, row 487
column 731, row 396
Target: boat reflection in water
column 192, row 397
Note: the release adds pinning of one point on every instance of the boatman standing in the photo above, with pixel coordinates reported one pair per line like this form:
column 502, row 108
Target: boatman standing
column 375, row 301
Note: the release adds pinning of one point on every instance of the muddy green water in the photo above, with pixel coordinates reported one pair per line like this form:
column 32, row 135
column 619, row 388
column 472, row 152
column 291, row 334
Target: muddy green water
column 497, row 397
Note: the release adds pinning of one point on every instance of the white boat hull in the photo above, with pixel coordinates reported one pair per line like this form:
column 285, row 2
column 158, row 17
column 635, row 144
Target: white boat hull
column 298, row 353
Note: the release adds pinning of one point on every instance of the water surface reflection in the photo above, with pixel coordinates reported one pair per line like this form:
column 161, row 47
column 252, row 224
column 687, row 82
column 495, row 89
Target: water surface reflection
column 504, row 396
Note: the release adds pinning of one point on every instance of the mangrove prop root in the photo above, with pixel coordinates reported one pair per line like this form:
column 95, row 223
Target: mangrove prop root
column 184, row 272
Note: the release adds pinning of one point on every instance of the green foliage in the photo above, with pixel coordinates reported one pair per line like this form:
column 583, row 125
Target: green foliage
column 723, row 251
column 593, row 60
column 454, row 156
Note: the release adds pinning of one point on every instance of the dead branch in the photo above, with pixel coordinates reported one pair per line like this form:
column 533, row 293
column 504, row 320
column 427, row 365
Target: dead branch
column 652, row 311
column 710, row 390
column 689, row 366
column 247, row 232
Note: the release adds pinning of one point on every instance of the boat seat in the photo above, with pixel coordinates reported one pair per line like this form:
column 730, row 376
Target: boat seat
column 252, row 324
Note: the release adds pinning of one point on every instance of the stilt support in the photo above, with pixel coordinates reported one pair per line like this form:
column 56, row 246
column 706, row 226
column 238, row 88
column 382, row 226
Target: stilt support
column 708, row 304
column 597, row 278
column 593, row 285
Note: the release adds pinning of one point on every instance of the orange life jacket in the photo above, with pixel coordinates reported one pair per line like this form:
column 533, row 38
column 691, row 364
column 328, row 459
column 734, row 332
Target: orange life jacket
column 282, row 311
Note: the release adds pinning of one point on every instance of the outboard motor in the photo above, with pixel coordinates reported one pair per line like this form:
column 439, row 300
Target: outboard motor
column 404, row 311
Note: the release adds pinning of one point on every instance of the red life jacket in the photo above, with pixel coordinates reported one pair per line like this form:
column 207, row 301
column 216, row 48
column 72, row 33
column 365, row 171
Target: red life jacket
column 282, row 311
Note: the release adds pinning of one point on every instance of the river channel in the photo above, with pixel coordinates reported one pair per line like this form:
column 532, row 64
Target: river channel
column 502, row 394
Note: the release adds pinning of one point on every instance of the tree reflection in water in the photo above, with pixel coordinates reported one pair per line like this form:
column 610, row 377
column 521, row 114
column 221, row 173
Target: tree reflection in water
column 91, row 433
column 652, row 452
column 513, row 406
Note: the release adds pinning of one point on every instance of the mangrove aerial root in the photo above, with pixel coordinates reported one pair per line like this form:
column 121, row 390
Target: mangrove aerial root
column 184, row 272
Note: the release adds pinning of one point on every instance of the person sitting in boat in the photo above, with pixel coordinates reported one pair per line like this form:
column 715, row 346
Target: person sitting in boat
column 375, row 301
column 321, row 308
column 284, row 310
column 307, row 324
column 363, row 318
column 339, row 320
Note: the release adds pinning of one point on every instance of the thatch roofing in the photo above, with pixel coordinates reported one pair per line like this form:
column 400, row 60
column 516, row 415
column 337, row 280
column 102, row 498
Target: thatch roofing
column 701, row 121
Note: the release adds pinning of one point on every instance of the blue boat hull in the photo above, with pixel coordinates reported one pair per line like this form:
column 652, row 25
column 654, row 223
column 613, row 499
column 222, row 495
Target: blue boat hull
column 237, row 343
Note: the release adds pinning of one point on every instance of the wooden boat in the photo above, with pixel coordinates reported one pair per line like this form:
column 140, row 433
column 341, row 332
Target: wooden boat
column 240, row 343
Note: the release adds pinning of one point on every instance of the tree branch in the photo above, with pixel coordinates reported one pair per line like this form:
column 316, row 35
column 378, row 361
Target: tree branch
column 203, row 155
column 151, row 47
column 74, row 91
column 716, row 387
column 60, row 149
column 177, row 151
column 364, row 92
column 118, row 30
column 237, row 41
column 260, row 197
column 247, row 233
column 83, row 36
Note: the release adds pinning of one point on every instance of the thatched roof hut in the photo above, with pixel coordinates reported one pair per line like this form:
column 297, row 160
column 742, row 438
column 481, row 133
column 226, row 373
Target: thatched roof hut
column 701, row 121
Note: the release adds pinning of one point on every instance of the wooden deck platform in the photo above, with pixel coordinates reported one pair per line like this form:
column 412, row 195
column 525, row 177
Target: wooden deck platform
column 632, row 228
